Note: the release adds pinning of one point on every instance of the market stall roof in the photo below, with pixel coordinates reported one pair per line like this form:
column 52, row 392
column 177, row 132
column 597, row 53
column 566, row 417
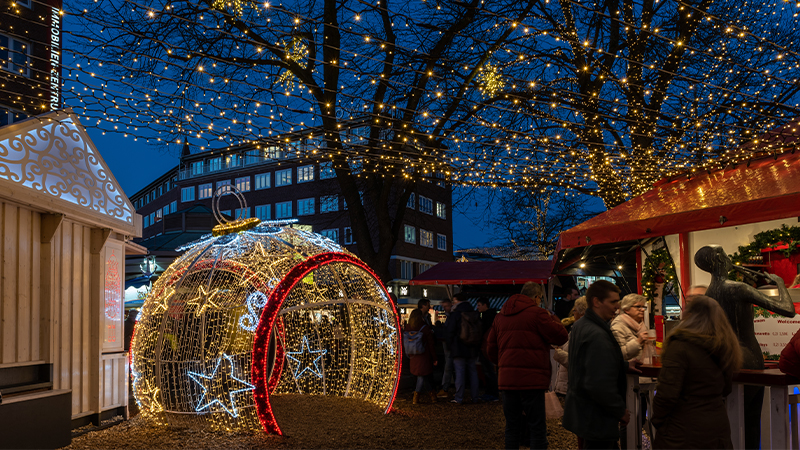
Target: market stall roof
column 762, row 189
column 49, row 162
column 485, row 272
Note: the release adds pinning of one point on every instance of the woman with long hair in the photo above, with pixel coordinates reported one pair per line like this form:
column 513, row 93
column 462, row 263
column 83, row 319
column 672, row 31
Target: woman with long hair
column 422, row 363
column 698, row 363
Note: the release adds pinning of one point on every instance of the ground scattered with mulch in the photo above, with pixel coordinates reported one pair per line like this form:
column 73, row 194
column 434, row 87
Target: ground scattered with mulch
column 329, row 422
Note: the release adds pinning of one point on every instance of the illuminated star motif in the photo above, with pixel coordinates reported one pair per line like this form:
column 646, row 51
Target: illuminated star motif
column 307, row 367
column 222, row 381
column 385, row 330
column 203, row 300
column 163, row 302
column 149, row 392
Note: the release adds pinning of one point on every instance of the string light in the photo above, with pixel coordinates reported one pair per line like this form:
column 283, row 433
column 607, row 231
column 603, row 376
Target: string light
column 228, row 316
column 510, row 97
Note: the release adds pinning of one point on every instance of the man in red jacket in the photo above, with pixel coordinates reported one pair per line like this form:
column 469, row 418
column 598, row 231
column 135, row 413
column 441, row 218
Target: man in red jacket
column 519, row 343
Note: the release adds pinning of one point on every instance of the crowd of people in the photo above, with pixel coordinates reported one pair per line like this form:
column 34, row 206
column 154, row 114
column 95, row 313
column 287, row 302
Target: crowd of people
column 597, row 339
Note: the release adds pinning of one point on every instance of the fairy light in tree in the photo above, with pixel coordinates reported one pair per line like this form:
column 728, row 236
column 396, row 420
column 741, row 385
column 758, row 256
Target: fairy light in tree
column 264, row 311
column 602, row 104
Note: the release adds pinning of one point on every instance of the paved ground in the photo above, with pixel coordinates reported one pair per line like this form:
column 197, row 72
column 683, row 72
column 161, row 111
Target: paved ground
column 324, row 422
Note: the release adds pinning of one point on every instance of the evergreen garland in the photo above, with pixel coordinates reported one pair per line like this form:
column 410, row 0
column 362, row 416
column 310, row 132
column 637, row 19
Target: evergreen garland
column 769, row 239
column 650, row 270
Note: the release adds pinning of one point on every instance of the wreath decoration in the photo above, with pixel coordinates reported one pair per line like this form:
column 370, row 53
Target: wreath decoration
column 658, row 268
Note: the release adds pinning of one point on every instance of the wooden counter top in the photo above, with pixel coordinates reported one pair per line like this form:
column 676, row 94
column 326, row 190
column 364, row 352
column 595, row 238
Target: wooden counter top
column 767, row 377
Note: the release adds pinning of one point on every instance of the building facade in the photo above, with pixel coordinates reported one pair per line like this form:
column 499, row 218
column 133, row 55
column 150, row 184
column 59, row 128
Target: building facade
column 30, row 59
column 277, row 185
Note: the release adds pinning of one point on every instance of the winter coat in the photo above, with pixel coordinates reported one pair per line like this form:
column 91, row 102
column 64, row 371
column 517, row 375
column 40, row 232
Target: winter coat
column 561, row 356
column 628, row 339
column 457, row 348
column 422, row 365
column 790, row 357
column 520, row 341
column 597, row 380
column 689, row 408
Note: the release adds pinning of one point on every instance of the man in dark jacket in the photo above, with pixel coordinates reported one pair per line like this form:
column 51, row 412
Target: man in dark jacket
column 565, row 305
column 595, row 404
column 465, row 357
column 519, row 342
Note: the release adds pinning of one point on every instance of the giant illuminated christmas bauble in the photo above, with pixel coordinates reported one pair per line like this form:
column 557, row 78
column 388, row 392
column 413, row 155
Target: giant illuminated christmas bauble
column 256, row 313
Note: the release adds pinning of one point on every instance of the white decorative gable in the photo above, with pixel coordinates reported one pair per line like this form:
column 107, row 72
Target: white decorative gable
column 53, row 156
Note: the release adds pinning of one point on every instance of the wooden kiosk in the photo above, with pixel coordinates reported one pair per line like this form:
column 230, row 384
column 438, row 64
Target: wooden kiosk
column 64, row 222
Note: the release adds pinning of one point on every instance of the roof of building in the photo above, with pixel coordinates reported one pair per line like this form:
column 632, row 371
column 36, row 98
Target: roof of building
column 49, row 161
column 762, row 189
column 485, row 272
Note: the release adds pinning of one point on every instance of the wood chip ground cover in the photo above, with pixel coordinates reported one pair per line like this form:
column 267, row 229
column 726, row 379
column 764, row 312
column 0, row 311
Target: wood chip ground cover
column 329, row 422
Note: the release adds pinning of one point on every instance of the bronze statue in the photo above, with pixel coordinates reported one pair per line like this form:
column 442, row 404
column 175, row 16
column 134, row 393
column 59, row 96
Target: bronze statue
column 736, row 299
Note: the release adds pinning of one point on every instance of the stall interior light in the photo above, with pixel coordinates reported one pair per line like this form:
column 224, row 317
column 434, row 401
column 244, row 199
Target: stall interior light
column 619, row 267
column 583, row 265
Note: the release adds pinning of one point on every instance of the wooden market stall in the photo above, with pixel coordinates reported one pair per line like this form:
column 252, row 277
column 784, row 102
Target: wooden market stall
column 64, row 222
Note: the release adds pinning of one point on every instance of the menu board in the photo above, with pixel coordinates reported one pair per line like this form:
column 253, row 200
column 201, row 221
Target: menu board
column 773, row 331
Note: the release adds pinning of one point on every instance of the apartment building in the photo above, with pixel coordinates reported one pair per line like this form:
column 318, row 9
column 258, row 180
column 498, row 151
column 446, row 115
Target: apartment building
column 277, row 185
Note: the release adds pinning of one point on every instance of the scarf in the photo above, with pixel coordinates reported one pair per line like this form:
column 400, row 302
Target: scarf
column 635, row 326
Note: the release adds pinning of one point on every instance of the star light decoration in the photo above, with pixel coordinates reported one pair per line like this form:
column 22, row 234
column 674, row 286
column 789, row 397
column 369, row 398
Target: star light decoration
column 220, row 387
column 586, row 102
column 240, row 318
column 301, row 364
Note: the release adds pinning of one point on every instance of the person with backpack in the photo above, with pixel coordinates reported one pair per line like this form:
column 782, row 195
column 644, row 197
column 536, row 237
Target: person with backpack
column 419, row 346
column 519, row 343
column 464, row 337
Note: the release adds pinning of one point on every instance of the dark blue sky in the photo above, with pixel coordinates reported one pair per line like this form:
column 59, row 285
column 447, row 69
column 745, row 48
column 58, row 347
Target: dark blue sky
column 136, row 163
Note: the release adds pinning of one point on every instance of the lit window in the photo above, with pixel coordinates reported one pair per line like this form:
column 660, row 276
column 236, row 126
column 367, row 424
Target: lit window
column 410, row 234
column 305, row 174
column 328, row 203
column 441, row 242
column 425, row 238
column 197, row 168
column 223, row 183
column 158, row 215
column 187, row 194
column 332, row 234
column 233, row 161
column 14, row 55
column 263, row 212
column 326, row 170
column 441, row 210
column 263, row 181
column 214, row 164
column 243, row 184
column 423, row 267
column 348, row 236
column 283, row 177
column 173, row 206
column 411, row 202
column 241, row 213
column 205, row 191
column 305, row 207
column 425, row 205
column 283, row 210
column 406, row 269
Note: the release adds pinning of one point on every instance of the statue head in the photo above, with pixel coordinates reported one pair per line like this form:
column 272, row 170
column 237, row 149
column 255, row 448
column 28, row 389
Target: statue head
column 713, row 259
